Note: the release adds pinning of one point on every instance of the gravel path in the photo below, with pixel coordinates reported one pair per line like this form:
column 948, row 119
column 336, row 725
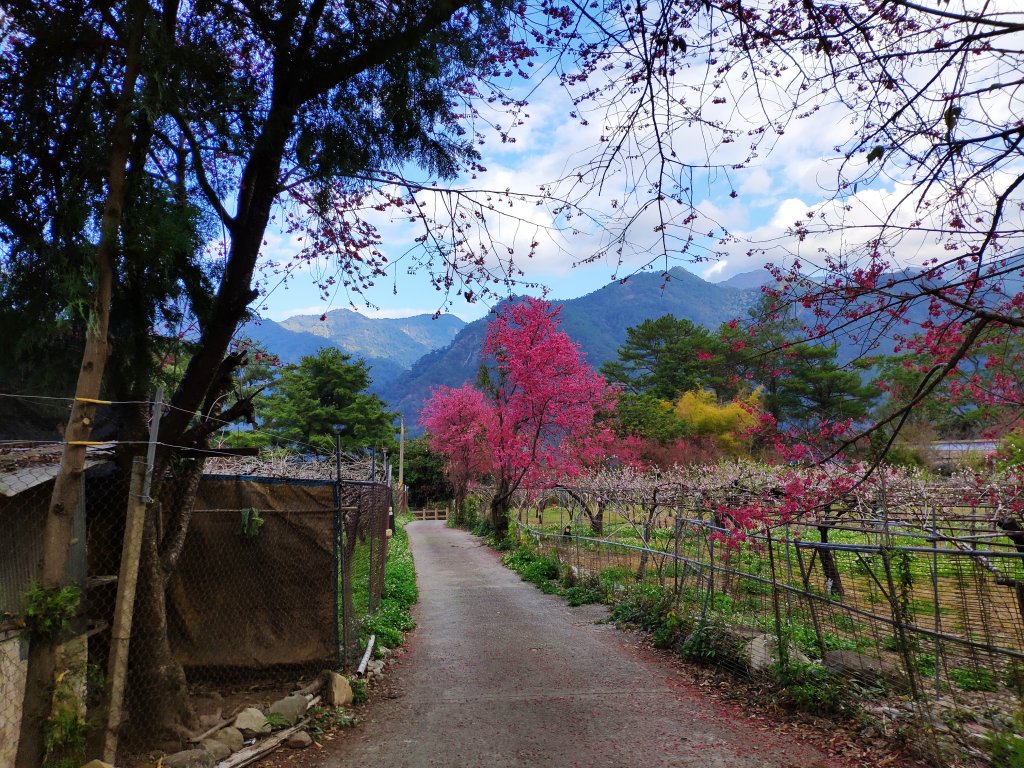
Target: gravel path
column 499, row 674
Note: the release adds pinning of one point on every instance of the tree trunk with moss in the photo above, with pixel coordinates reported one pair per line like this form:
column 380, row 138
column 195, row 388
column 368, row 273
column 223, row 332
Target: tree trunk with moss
column 67, row 486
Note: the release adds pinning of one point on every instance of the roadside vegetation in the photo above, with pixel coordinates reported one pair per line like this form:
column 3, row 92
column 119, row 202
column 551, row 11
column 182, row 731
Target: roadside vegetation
column 654, row 609
column 394, row 617
column 714, row 633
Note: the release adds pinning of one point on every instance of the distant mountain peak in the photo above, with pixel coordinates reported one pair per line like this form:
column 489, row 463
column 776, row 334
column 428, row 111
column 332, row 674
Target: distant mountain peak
column 755, row 278
column 596, row 321
column 388, row 345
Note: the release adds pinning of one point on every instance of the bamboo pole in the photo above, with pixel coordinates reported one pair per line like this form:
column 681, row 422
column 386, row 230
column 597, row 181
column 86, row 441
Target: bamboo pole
column 128, row 579
column 120, row 634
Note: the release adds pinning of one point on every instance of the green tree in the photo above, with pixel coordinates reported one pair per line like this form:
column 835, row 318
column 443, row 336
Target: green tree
column 815, row 387
column 668, row 356
column 648, row 417
column 424, row 473
column 313, row 111
column 980, row 394
column 800, row 382
column 309, row 400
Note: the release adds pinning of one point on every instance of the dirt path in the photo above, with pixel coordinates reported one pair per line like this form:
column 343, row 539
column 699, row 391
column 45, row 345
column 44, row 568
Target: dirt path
column 499, row 674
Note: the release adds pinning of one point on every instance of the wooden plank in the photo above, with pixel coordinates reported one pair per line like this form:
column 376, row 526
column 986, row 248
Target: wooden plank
column 120, row 634
column 265, row 746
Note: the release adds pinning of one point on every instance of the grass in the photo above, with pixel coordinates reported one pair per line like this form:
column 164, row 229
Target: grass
column 394, row 617
column 973, row 679
column 541, row 570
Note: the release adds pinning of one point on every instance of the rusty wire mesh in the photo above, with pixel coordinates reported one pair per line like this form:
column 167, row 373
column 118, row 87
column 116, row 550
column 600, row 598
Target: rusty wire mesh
column 264, row 575
column 26, row 485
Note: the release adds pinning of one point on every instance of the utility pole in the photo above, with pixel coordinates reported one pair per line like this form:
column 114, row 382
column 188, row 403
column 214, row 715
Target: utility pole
column 401, row 455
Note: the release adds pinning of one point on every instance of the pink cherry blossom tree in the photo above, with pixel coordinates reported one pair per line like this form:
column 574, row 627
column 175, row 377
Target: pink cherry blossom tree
column 548, row 403
column 458, row 422
column 538, row 417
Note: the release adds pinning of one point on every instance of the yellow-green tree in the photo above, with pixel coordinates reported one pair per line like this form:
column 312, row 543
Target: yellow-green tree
column 731, row 425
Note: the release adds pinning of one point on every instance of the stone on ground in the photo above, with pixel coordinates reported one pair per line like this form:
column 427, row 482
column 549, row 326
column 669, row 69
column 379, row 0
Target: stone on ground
column 866, row 669
column 299, row 740
column 252, row 720
column 763, row 651
column 218, row 749
column 339, row 690
column 291, row 708
column 231, row 737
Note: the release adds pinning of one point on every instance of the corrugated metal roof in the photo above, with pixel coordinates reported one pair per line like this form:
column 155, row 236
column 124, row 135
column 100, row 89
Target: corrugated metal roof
column 25, row 468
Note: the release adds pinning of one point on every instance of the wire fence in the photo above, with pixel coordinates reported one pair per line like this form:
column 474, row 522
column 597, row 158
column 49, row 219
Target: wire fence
column 921, row 612
column 250, row 571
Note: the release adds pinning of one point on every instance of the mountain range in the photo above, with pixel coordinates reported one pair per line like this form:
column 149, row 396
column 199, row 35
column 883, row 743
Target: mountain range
column 388, row 345
column 410, row 356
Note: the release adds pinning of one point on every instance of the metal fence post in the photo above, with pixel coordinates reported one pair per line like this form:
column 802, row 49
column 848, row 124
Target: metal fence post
column 340, row 619
column 806, row 578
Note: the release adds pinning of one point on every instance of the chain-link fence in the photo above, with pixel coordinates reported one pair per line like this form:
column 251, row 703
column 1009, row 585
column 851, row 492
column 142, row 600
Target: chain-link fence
column 925, row 625
column 248, row 571
column 26, row 485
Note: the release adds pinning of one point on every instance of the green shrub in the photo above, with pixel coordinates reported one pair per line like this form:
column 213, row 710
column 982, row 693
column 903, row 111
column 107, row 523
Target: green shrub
column 902, row 455
column 359, row 692
column 276, row 721
column 587, row 590
column 723, row 603
column 644, row 605
column 394, row 616
column 48, row 611
column 1006, row 747
column 670, row 632
column 811, row 688
column 925, row 663
column 327, row 719
column 389, row 623
column 754, row 587
column 481, row 526
column 66, row 731
column 845, row 623
column 700, row 645
column 541, row 570
column 973, row 679
column 617, row 576
column 805, row 638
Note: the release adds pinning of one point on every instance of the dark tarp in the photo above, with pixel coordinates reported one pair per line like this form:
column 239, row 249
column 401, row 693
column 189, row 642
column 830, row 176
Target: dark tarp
column 248, row 601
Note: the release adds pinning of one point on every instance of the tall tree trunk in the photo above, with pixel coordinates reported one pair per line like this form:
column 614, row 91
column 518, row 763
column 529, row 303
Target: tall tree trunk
column 159, row 704
column 641, row 571
column 459, row 504
column 597, row 520
column 67, row 486
column 499, row 510
column 160, row 707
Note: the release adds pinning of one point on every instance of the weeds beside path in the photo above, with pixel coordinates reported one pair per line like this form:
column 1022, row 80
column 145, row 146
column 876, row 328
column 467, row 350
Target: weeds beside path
column 499, row 674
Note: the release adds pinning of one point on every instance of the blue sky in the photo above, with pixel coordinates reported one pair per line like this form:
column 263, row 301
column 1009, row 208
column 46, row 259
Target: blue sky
column 757, row 204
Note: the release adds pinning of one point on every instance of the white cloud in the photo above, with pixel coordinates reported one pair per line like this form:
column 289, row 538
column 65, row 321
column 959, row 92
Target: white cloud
column 715, row 270
column 792, row 174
